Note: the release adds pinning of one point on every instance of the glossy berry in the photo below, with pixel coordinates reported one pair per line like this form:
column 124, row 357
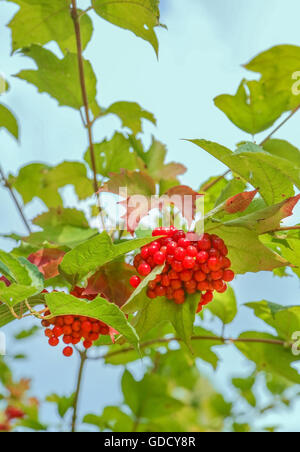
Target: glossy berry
column 228, row 275
column 159, row 258
column 68, row 351
column 53, row 341
column 144, row 269
column 135, row 281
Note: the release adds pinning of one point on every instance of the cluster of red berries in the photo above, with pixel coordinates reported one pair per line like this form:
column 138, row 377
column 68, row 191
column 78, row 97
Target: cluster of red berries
column 11, row 413
column 73, row 329
column 191, row 264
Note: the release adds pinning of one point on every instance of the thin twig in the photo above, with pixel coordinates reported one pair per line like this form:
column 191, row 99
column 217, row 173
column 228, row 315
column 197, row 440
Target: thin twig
column 218, row 179
column 18, row 205
column 83, row 359
column 287, row 228
column 193, row 338
column 88, row 121
column 280, row 125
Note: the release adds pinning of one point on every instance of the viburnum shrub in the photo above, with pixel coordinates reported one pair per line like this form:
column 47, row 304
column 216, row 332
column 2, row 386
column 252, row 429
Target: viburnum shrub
column 114, row 287
column 190, row 266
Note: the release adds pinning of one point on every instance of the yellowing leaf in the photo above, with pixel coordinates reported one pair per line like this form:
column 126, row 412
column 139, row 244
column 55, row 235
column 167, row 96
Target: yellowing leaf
column 8, row 121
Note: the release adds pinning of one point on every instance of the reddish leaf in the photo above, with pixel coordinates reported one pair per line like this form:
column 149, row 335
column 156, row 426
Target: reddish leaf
column 240, row 202
column 111, row 282
column 47, row 260
column 135, row 183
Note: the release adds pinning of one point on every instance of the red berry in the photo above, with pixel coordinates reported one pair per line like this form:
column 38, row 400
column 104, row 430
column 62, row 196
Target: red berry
column 87, row 344
column 202, row 257
column 145, row 252
column 207, row 298
column 165, row 281
column 151, row 294
column 217, row 243
column 186, row 275
column 205, row 268
column 68, row 351
column 156, row 232
column 144, row 269
column 179, row 235
column 183, row 243
column 153, row 248
column 213, row 253
column 204, row 243
column 188, row 262
column 48, row 333
column 57, row 331
column 135, row 281
column 228, row 275
column 76, row 326
column 86, row 326
column 14, row 413
column 68, row 319
column 190, row 284
column 160, row 291
column 177, row 266
column 179, row 254
column 159, row 258
column 53, row 341
column 220, row 286
column 173, row 274
column 67, row 339
column 216, row 275
column 200, row 276
column 176, row 284
column 191, row 251
column 171, row 247
column 67, row 330
column 213, row 264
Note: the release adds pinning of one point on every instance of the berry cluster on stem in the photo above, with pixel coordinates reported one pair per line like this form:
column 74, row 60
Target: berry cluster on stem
column 191, row 264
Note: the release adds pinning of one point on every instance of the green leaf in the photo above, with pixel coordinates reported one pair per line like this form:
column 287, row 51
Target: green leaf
column 25, row 334
column 273, row 176
column 270, row 358
column 43, row 181
column 277, row 66
column 62, row 217
column 139, row 17
column 245, row 386
column 153, row 312
column 283, row 149
column 8, row 121
column 131, row 115
column 285, row 319
column 149, row 397
column 100, row 309
column 91, row 255
column 112, row 418
column 42, row 21
column 63, row 403
column 7, row 317
column 26, row 279
column 253, row 109
column 113, row 156
column 224, row 306
column 254, row 257
column 62, row 236
column 51, row 75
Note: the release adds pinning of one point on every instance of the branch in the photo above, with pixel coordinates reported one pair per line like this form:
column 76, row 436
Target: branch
column 18, row 205
column 83, row 359
column 193, row 338
column 88, row 123
column 287, row 228
column 280, row 125
column 213, row 183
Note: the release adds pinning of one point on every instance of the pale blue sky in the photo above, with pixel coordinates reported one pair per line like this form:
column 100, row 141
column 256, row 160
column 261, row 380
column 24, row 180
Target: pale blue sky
column 200, row 57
